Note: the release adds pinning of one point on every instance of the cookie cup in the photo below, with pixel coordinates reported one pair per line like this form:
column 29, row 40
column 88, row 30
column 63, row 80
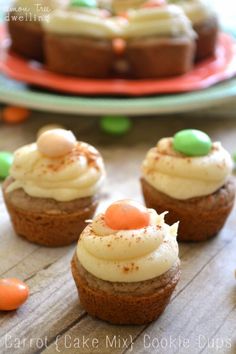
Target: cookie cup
column 45, row 221
column 200, row 218
column 135, row 303
column 26, row 38
column 160, row 57
column 207, row 36
column 84, row 57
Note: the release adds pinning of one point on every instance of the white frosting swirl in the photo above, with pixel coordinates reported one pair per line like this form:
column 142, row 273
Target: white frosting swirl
column 182, row 177
column 160, row 21
column 76, row 175
column 121, row 6
column 197, row 10
column 87, row 23
column 128, row 255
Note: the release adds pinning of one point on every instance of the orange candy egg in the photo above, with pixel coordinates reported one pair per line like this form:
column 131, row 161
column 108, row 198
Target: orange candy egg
column 14, row 115
column 126, row 215
column 13, row 293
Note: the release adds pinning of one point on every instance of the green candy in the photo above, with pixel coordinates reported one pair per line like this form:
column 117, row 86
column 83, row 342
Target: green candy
column 234, row 157
column 84, row 3
column 6, row 159
column 116, row 125
column 192, row 142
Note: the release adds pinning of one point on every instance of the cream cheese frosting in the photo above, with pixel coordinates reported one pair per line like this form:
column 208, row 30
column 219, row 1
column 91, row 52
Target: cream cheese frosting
column 158, row 21
column 87, row 23
column 197, row 10
column 182, row 177
column 76, row 175
column 128, row 255
column 121, row 6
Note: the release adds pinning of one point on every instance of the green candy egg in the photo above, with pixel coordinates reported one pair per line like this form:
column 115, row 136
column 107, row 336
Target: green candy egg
column 192, row 142
column 84, row 3
column 116, row 125
column 6, row 159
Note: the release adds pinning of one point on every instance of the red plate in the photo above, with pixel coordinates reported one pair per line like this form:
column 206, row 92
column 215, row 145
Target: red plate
column 205, row 74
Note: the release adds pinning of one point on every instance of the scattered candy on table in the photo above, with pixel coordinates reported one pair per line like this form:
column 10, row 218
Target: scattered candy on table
column 56, row 143
column 192, row 142
column 47, row 127
column 116, row 125
column 13, row 293
column 6, row 159
column 126, row 215
column 14, row 115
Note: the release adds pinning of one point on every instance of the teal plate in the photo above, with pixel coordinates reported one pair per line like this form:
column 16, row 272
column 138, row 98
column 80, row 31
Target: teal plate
column 13, row 92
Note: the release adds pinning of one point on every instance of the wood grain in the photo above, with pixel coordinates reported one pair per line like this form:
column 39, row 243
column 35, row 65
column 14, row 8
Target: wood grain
column 202, row 310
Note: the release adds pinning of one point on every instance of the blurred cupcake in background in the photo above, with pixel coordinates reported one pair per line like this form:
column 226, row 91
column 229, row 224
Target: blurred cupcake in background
column 160, row 42
column 79, row 40
column 205, row 23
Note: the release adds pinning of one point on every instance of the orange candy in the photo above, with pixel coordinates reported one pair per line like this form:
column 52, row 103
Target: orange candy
column 119, row 46
column 126, row 215
column 14, row 115
column 13, row 293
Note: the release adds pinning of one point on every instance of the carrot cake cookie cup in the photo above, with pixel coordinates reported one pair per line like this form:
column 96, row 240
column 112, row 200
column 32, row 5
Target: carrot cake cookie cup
column 160, row 42
column 53, row 188
column 205, row 24
column 190, row 176
column 126, row 264
column 79, row 42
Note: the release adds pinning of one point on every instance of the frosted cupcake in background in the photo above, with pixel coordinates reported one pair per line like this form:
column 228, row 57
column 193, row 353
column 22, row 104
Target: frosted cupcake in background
column 126, row 264
column 205, row 23
column 160, row 42
column 190, row 176
column 25, row 19
column 79, row 41
column 53, row 188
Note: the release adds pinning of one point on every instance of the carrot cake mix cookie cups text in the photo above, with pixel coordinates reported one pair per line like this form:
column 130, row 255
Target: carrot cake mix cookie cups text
column 190, row 176
column 53, row 187
column 126, row 264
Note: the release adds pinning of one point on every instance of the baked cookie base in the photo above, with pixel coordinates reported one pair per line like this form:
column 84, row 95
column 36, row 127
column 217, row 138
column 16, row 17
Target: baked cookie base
column 126, row 307
column 45, row 221
column 26, row 38
column 207, row 35
column 78, row 56
column 200, row 218
column 153, row 58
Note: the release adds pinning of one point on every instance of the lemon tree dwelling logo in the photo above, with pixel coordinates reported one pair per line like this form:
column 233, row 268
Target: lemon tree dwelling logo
column 28, row 11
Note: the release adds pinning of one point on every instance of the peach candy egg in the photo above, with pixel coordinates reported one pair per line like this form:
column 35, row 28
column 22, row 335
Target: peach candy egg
column 56, row 143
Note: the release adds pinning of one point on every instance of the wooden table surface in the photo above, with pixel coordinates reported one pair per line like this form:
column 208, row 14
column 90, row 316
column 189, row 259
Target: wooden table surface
column 201, row 317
